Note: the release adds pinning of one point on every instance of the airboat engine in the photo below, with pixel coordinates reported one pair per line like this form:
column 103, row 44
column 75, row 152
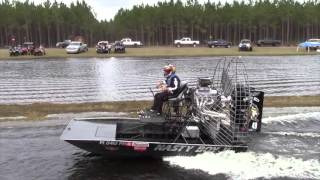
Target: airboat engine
column 208, row 101
column 204, row 94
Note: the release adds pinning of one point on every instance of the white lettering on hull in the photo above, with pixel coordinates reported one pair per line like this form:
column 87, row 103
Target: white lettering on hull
column 109, row 143
column 185, row 148
column 202, row 149
column 173, row 148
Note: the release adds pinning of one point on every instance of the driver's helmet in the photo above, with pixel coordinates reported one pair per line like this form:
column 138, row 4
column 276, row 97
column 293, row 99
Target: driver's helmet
column 168, row 70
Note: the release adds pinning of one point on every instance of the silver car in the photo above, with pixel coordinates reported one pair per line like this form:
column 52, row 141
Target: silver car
column 76, row 47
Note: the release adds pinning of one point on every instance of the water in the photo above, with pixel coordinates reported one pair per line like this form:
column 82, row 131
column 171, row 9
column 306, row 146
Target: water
column 112, row 79
column 288, row 147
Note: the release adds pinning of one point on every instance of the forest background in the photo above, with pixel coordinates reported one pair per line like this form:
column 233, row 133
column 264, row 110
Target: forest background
column 160, row 24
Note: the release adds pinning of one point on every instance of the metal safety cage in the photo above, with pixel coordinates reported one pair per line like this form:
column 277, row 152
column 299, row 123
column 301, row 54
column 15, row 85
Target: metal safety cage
column 222, row 102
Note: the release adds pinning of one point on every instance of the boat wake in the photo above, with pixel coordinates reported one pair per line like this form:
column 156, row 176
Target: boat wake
column 299, row 134
column 315, row 116
column 250, row 165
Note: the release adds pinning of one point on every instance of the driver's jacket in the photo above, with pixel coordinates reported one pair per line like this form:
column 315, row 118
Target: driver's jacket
column 173, row 83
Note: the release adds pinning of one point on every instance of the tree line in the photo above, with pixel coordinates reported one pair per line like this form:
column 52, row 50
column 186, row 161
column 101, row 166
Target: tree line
column 160, row 24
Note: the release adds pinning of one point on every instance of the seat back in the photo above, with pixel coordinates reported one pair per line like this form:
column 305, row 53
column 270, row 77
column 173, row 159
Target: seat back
column 183, row 87
column 175, row 103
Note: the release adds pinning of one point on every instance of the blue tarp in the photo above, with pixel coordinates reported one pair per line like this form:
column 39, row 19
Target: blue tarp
column 309, row 44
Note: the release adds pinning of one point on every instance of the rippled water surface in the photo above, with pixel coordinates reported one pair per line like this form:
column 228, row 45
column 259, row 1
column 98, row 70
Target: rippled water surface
column 94, row 80
column 287, row 148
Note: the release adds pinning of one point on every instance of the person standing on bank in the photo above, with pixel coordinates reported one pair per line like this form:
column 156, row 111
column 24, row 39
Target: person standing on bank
column 168, row 87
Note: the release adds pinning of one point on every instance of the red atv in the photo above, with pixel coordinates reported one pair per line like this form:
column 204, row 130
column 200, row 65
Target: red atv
column 27, row 48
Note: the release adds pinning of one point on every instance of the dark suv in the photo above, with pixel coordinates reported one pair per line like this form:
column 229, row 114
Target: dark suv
column 219, row 43
column 268, row 42
column 119, row 47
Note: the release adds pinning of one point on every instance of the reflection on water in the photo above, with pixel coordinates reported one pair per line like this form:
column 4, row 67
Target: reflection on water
column 90, row 167
column 94, row 80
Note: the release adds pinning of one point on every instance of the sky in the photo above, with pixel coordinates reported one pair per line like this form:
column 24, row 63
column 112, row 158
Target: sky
column 107, row 9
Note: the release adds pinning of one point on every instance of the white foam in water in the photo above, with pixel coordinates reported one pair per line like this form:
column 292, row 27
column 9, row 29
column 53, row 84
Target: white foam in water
column 301, row 134
column 250, row 165
column 293, row 117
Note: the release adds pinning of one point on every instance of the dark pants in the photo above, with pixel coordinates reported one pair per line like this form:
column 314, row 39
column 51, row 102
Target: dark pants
column 159, row 98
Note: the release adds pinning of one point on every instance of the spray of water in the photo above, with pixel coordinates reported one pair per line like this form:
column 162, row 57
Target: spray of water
column 250, row 165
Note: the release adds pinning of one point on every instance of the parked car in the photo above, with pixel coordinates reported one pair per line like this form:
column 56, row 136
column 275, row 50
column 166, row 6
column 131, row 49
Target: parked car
column 63, row 44
column 186, row 41
column 245, row 45
column 268, row 42
column 76, row 47
column 310, row 44
column 129, row 43
column 119, row 47
column 219, row 43
column 103, row 47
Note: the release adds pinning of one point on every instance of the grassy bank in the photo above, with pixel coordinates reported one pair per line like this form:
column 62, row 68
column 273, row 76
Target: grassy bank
column 167, row 52
column 41, row 110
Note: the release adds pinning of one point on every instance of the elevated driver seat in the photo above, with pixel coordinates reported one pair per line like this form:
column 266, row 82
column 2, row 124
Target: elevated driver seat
column 173, row 106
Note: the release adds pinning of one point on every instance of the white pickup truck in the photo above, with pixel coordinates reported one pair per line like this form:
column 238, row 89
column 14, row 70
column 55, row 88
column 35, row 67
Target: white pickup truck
column 186, row 41
column 129, row 42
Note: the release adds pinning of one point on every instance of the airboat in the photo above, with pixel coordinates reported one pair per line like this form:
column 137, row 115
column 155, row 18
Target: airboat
column 221, row 112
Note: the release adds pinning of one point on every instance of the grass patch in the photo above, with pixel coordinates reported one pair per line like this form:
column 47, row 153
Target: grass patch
column 166, row 51
column 291, row 101
column 39, row 111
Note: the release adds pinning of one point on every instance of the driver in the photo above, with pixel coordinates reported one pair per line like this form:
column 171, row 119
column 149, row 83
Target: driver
column 168, row 87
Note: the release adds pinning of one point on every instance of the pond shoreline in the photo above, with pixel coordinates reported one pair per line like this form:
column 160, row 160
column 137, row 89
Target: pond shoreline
column 37, row 111
column 165, row 51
